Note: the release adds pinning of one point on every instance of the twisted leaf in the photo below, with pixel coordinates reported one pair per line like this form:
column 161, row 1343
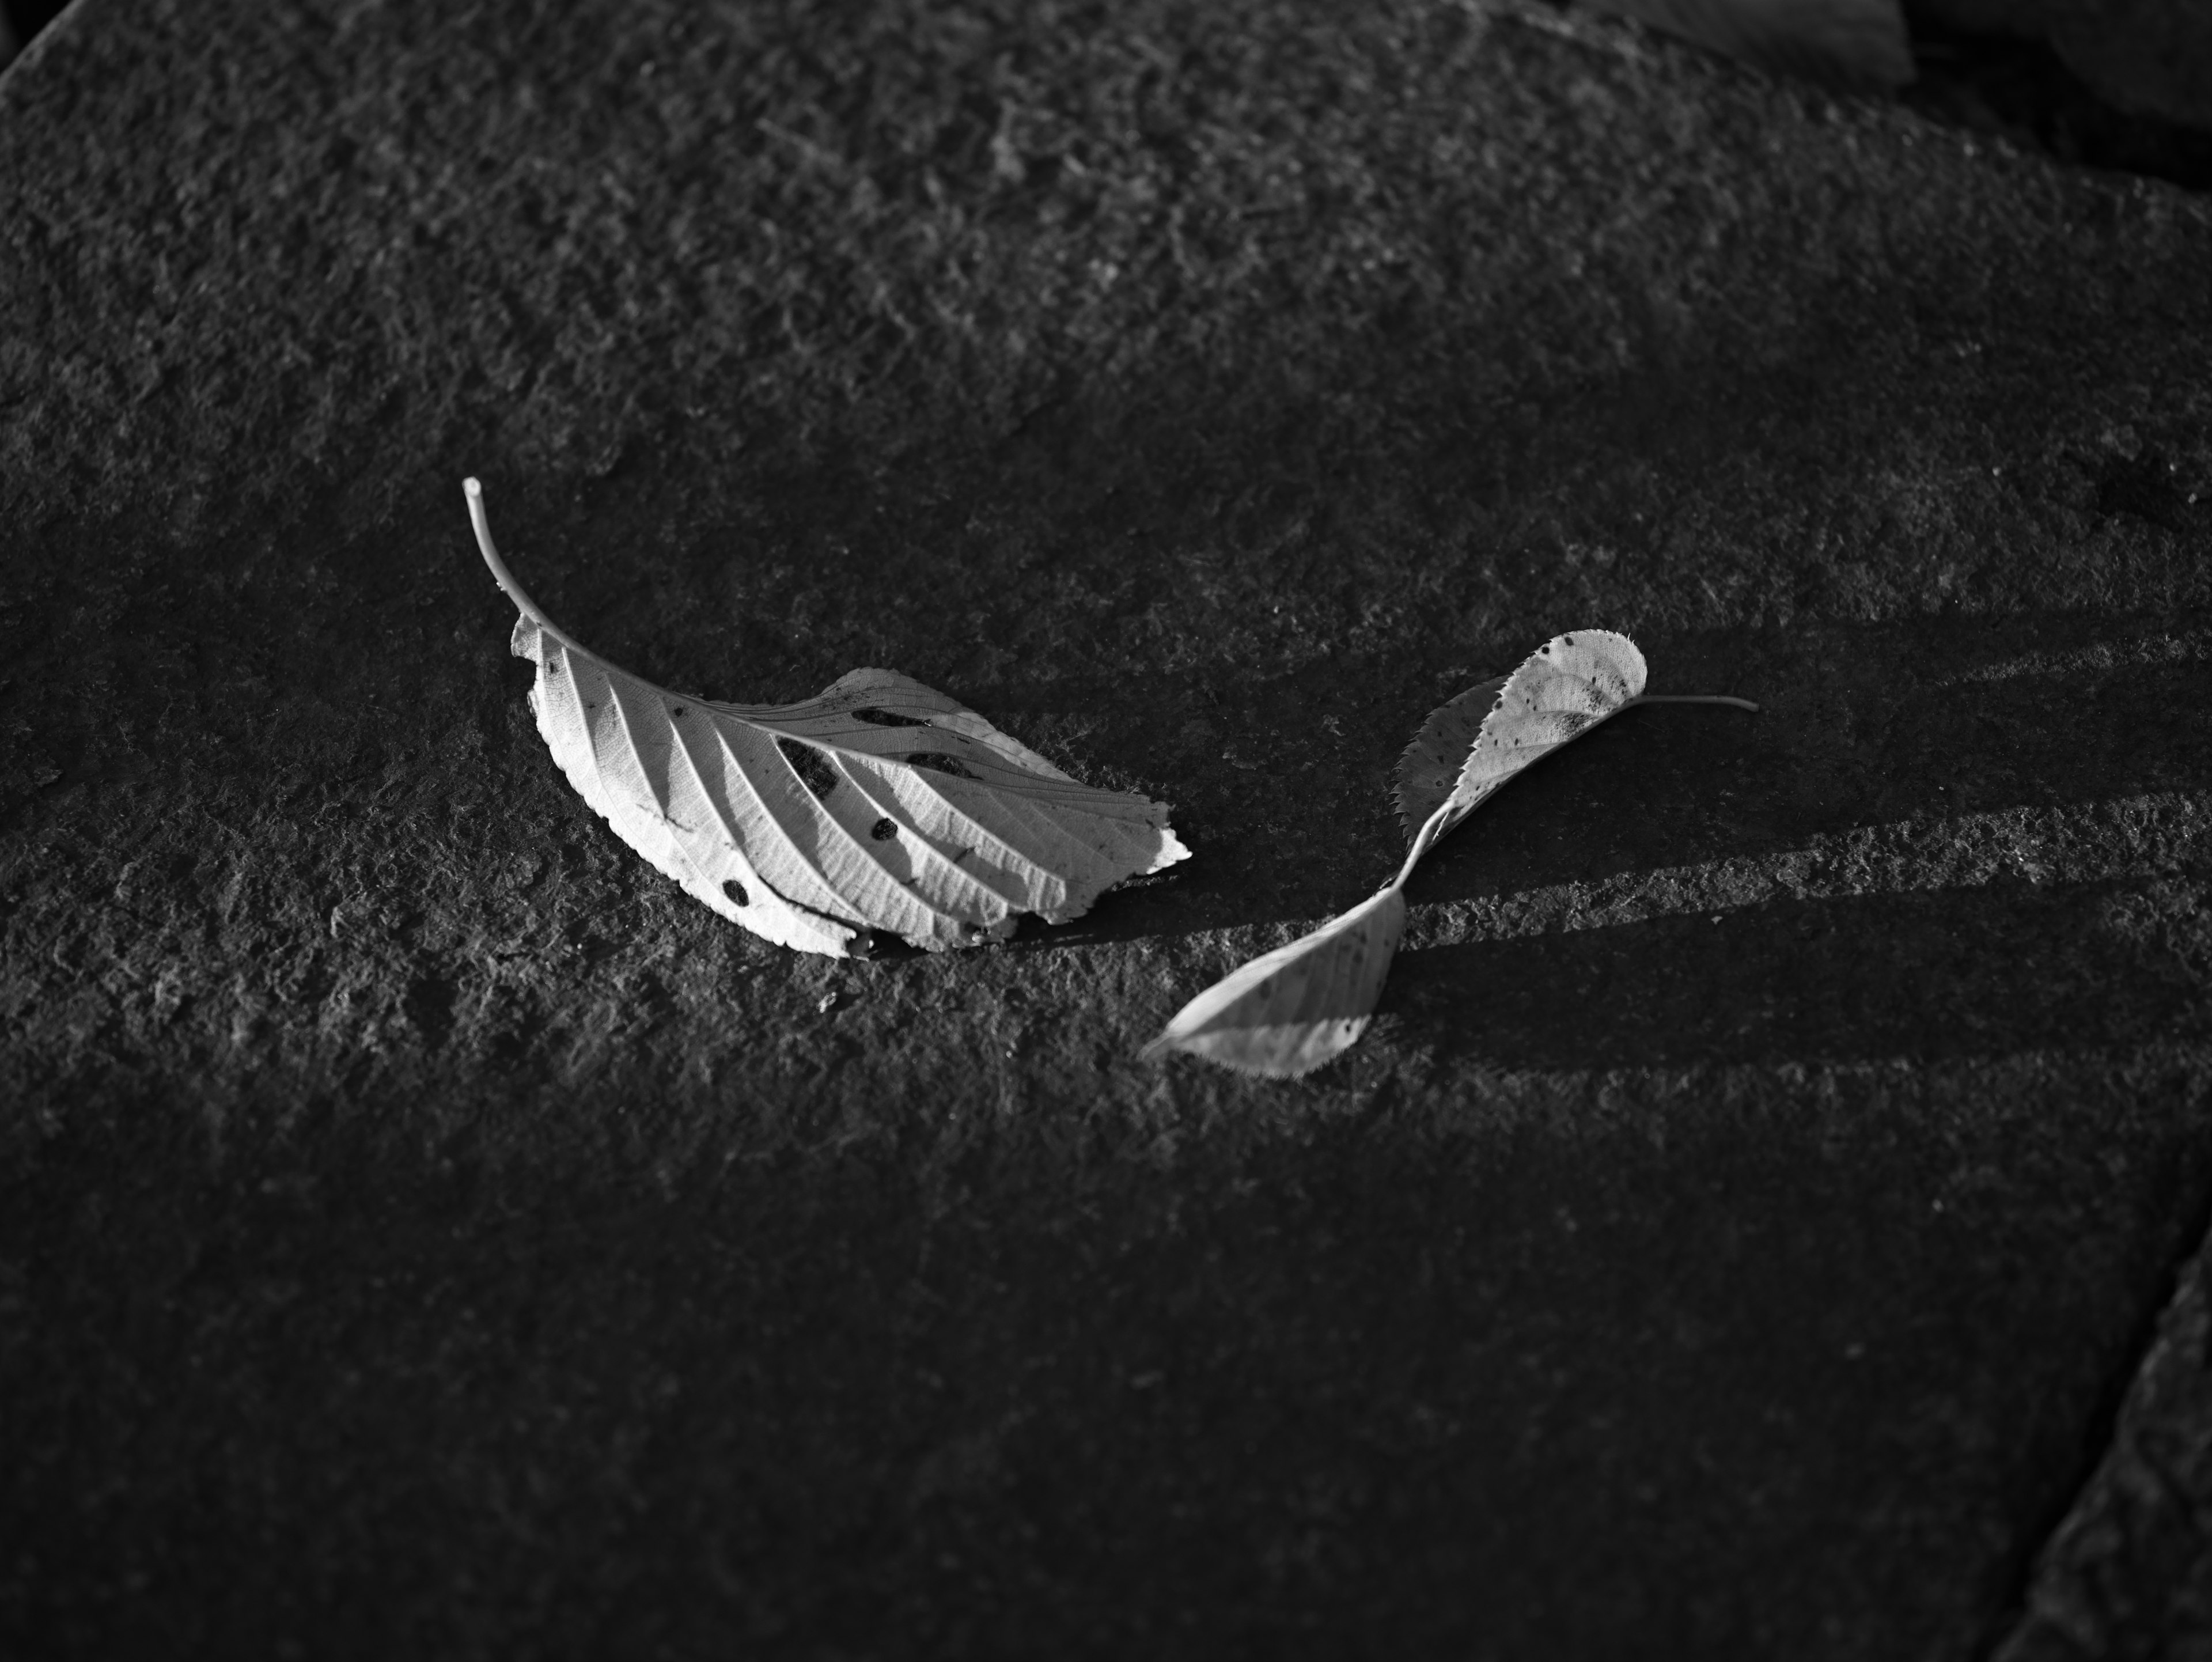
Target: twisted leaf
column 1431, row 765
column 878, row 804
column 1297, row 1008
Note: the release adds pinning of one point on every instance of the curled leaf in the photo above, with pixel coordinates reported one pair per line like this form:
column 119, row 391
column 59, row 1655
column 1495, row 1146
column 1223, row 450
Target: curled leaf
column 1562, row 690
column 878, row 804
column 1431, row 763
column 1288, row 1012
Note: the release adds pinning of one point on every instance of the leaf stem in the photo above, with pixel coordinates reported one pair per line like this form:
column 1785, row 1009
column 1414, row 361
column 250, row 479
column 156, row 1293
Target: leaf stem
column 1689, row 698
column 1423, row 840
column 504, row 578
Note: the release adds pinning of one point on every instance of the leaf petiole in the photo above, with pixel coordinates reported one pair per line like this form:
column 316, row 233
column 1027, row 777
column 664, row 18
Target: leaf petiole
column 1689, row 698
column 502, row 576
column 1423, row 840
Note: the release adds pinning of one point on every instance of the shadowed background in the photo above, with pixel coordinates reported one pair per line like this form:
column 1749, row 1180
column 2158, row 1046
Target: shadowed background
column 420, row 1228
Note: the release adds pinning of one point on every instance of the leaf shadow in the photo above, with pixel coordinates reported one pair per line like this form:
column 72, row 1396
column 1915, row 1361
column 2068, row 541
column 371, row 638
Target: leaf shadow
column 1923, row 721
column 1954, row 973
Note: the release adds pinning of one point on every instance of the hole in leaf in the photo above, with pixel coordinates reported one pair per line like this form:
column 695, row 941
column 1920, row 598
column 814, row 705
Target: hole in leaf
column 883, row 829
column 885, row 718
column 813, row 767
column 940, row 763
column 734, row 892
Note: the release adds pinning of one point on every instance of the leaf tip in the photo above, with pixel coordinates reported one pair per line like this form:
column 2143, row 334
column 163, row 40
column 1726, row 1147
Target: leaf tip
column 1287, row 1012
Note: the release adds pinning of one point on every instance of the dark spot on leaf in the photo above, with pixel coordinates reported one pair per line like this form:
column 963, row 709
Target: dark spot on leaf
column 812, row 766
column 940, row 761
column 887, row 718
column 677, row 710
column 734, row 892
column 883, row 829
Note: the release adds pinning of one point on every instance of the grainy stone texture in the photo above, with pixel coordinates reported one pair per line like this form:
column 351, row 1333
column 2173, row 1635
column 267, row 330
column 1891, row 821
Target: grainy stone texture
column 2129, row 1573
column 422, row 1231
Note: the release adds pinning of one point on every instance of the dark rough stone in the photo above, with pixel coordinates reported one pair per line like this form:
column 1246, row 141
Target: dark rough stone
column 2129, row 1573
column 424, row 1231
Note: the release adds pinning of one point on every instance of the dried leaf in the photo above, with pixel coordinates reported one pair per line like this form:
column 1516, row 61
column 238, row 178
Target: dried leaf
column 878, row 804
column 1288, row 1012
column 1563, row 690
column 1431, row 763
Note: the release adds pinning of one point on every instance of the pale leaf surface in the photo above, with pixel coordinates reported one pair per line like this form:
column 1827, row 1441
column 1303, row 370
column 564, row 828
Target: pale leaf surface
column 1562, row 690
column 877, row 804
column 1288, row 1012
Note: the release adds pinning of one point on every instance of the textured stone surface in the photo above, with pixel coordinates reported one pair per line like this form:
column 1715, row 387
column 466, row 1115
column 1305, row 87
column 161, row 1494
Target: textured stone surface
column 2129, row 1572
column 421, row 1229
